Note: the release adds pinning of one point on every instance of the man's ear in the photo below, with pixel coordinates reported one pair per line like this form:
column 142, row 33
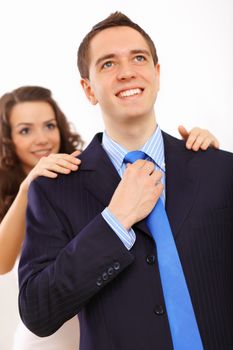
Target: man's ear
column 157, row 73
column 88, row 91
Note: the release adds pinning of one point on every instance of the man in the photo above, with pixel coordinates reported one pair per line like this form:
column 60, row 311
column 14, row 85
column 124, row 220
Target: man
column 88, row 248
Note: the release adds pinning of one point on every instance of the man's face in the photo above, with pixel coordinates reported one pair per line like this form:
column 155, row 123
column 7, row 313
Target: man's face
column 123, row 78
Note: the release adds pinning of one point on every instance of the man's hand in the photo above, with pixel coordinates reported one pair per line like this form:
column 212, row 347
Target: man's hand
column 137, row 193
column 198, row 138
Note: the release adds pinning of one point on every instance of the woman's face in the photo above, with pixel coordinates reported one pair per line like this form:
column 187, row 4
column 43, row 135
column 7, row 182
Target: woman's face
column 34, row 132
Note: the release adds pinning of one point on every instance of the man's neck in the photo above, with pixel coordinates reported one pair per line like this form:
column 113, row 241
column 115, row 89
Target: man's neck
column 132, row 136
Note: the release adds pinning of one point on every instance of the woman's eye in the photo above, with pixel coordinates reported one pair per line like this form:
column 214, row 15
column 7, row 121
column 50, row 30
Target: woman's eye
column 24, row 131
column 51, row 126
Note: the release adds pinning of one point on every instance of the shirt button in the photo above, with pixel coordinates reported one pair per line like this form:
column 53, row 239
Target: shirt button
column 116, row 266
column 159, row 310
column 150, row 259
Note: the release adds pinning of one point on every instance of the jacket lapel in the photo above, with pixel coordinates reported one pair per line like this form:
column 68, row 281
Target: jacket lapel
column 181, row 181
column 102, row 178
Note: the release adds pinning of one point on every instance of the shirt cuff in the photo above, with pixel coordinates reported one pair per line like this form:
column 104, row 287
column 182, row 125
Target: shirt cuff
column 128, row 238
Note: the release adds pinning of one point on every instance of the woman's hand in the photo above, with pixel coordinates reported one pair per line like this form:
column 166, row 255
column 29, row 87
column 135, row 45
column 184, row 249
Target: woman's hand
column 52, row 165
column 198, row 138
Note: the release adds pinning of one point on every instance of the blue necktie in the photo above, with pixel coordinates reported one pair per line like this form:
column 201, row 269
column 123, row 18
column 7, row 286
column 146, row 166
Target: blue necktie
column 182, row 321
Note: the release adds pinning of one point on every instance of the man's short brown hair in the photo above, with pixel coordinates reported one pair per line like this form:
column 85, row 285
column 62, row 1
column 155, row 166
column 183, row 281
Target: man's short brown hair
column 116, row 19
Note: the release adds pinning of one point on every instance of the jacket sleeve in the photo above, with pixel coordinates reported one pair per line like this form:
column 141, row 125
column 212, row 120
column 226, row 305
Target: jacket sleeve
column 58, row 274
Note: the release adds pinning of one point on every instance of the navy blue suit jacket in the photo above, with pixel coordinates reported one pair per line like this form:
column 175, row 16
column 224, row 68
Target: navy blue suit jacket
column 72, row 261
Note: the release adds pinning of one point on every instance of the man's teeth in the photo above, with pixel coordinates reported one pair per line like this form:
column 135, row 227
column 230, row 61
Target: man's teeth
column 130, row 92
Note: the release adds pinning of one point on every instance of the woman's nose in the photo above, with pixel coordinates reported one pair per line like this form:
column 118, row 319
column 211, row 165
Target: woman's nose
column 41, row 138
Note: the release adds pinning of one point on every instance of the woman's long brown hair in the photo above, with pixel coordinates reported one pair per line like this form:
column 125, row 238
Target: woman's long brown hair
column 11, row 172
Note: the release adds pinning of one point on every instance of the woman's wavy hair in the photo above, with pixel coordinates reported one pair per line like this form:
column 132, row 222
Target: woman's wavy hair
column 11, row 172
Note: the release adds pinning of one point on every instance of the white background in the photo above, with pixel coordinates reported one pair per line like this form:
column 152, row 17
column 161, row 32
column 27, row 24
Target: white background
column 194, row 40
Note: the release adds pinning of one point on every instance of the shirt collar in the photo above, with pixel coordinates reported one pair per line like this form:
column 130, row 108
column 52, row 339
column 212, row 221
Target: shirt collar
column 154, row 148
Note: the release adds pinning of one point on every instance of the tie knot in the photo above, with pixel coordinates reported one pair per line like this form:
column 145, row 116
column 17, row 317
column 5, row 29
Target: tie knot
column 132, row 156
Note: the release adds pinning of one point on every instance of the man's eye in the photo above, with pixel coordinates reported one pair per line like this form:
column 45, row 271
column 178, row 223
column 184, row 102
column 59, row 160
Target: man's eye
column 140, row 58
column 108, row 64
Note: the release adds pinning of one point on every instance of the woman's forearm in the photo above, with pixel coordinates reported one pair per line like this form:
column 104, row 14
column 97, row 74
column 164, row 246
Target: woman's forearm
column 12, row 227
column 12, row 230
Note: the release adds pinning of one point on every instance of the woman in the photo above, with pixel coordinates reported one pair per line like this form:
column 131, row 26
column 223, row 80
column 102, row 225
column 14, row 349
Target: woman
column 36, row 140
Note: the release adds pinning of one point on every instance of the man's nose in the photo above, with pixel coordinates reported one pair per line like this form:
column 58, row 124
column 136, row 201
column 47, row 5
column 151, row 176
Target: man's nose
column 126, row 71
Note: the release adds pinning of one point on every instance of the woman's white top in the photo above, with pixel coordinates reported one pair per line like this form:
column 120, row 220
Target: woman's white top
column 65, row 338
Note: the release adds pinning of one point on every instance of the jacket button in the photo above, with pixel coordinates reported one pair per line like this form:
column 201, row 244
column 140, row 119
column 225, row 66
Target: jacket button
column 105, row 276
column 150, row 259
column 116, row 266
column 99, row 281
column 159, row 310
column 110, row 271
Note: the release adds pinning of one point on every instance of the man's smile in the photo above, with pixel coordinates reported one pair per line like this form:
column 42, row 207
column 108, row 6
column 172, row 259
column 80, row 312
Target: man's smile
column 129, row 92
